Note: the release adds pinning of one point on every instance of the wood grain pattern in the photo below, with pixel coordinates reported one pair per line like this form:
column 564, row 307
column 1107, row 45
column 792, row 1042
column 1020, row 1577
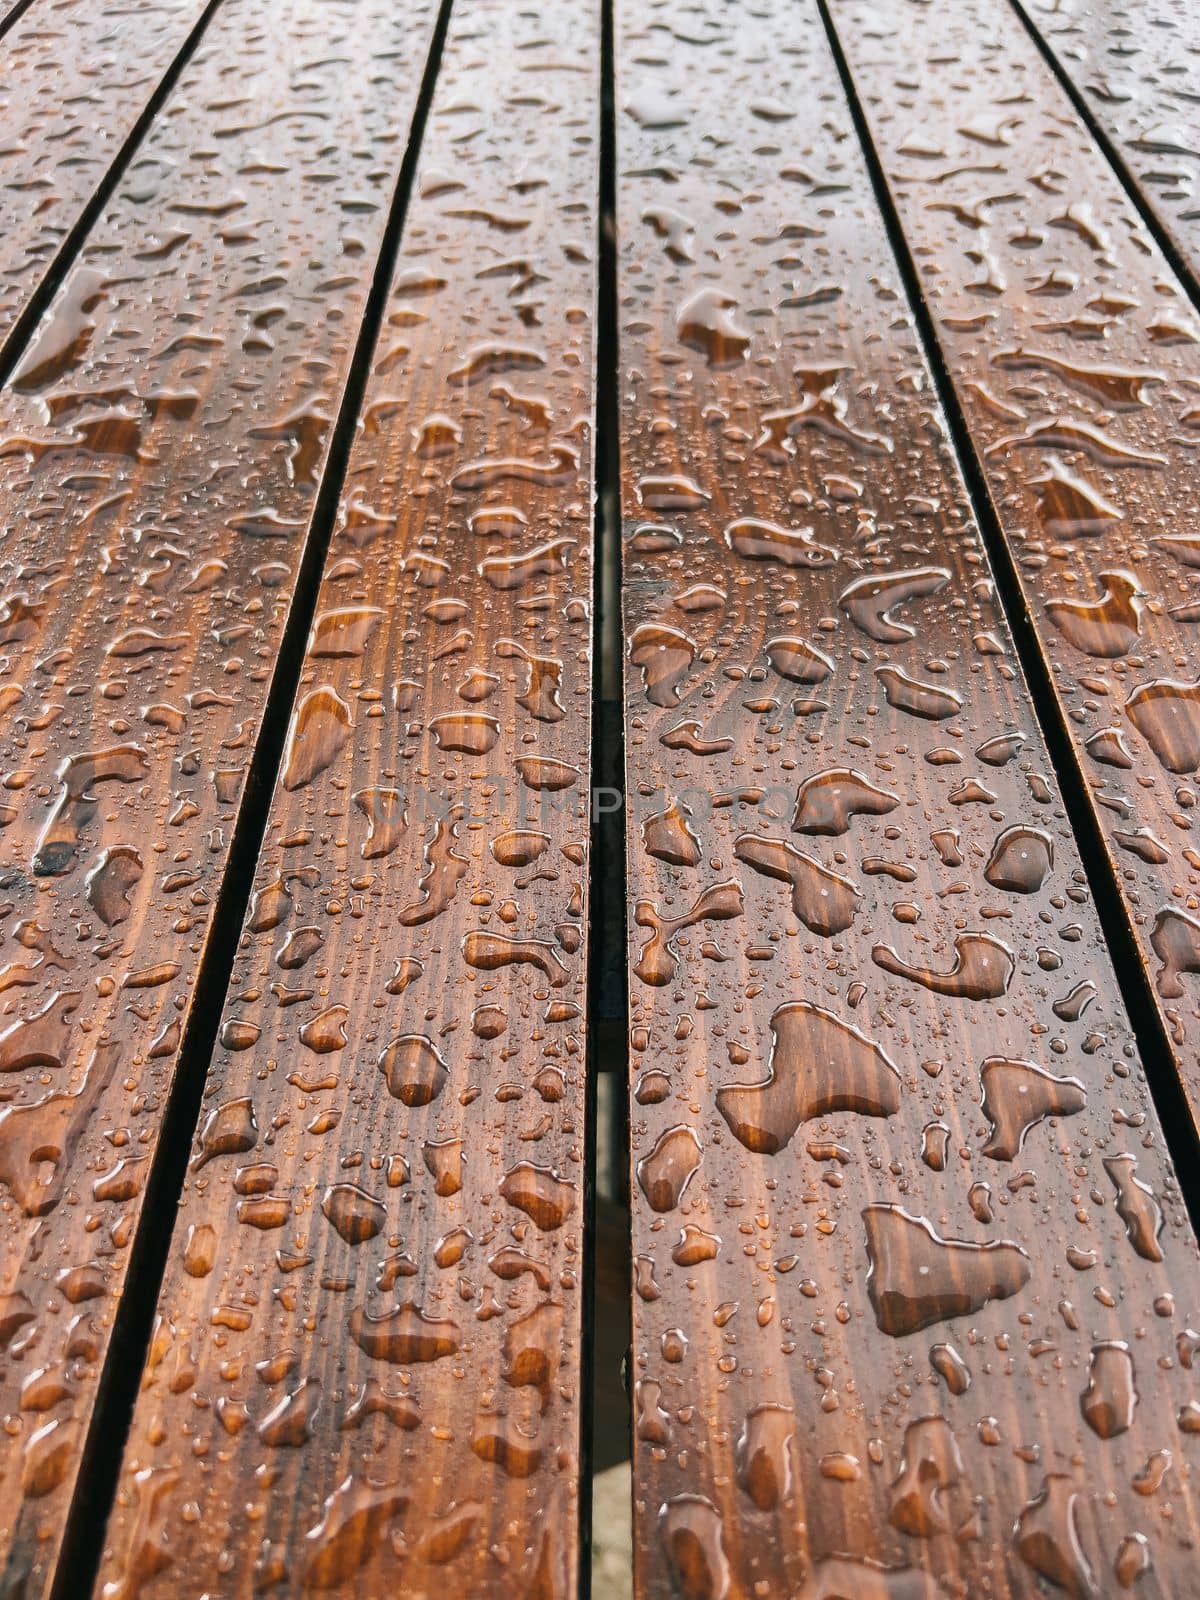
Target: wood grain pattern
column 1138, row 69
column 366, row 1371
column 1075, row 357
column 160, row 446
column 74, row 79
column 913, row 1276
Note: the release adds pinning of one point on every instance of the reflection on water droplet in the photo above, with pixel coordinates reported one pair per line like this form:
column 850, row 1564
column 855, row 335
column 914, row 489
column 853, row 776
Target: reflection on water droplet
column 540, row 1193
column 767, row 541
column 1110, row 1399
column 321, row 729
column 1017, row 1096
column 798, row 661
column 356, row 1215
column 705, row 321
column 1176, row 942
column 666, row 1171
column 1136, row 1206
column 1167, row 715
column 1021, row 860
column 664, row 656
column 870, row 601
column 823, row 901
column 405, row 1336
column 763, row 1455
column 917, row 1278
column 414, row 1069
column 826, row 803
column 930, row 1464
column 918, row 699
column 692, row 1533
column 1047, row 1539
column 818, row 1065
column 982, row 970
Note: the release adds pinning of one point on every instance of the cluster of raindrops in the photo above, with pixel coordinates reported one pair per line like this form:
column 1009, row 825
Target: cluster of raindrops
column 161, row 442
column 72, row 88
column 1137, row 67
column 1075, row 357
column 907, row 1241
column 366, row 1366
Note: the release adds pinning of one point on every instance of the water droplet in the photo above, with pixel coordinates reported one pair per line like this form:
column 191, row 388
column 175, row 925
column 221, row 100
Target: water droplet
column 1017, row 1096
column 917, row 1278
column 818, row 1065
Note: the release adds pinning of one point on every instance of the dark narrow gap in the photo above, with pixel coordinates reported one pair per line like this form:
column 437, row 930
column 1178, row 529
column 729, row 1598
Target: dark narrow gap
column 1179, row 265
column 83, row 1540
column 13, row 347
column 1133, row 980
column 14, row 16
column 609, row 978
column 605, row 1419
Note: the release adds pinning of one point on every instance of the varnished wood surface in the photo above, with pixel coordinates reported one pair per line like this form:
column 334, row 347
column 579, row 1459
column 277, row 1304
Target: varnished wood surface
column 365, row 1377
column 914, row 1288
column 74, row 79
column 1137, row 67
column 913, row 1279
column 1075, row 357
column 160, row 445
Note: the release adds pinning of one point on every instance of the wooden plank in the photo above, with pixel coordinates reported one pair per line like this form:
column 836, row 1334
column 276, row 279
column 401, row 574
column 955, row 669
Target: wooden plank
column 10, row 12
column 366, row 1375
column 1075, row 358
column 896, row 1333
column 74, row 80
column 1137, row 67
column 160, row 447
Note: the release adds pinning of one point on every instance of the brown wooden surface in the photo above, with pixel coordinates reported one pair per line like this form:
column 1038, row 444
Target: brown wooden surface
column 366, row 1372
column 74, row 79
column 1075, row 356
column 1137, row 67
column 913, row 1278
column 160, row 444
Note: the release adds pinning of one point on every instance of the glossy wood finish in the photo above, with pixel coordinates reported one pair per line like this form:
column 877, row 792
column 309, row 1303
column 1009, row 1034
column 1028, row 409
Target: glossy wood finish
column 74, row 79
column 913, row 1276
column 1075, row 357
column 366, row 1372
column 160, row 446
column 1137, row 66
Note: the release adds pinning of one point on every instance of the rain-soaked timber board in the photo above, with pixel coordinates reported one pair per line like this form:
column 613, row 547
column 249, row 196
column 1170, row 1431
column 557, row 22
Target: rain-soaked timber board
column 911, row 1266
column 913, row 1283
column 1075, row 357
column 74, row 79
column 160, row 446
column 367, row 1366
column 1137, row 68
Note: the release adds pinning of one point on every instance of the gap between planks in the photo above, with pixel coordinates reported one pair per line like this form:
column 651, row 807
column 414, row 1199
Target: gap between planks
column 1110, row 148
column 14, row 345
column 1166, row 1087
column 87, row 1519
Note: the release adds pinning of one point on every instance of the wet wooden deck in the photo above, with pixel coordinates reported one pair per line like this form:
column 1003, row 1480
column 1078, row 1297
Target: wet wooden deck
column 413, row 419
